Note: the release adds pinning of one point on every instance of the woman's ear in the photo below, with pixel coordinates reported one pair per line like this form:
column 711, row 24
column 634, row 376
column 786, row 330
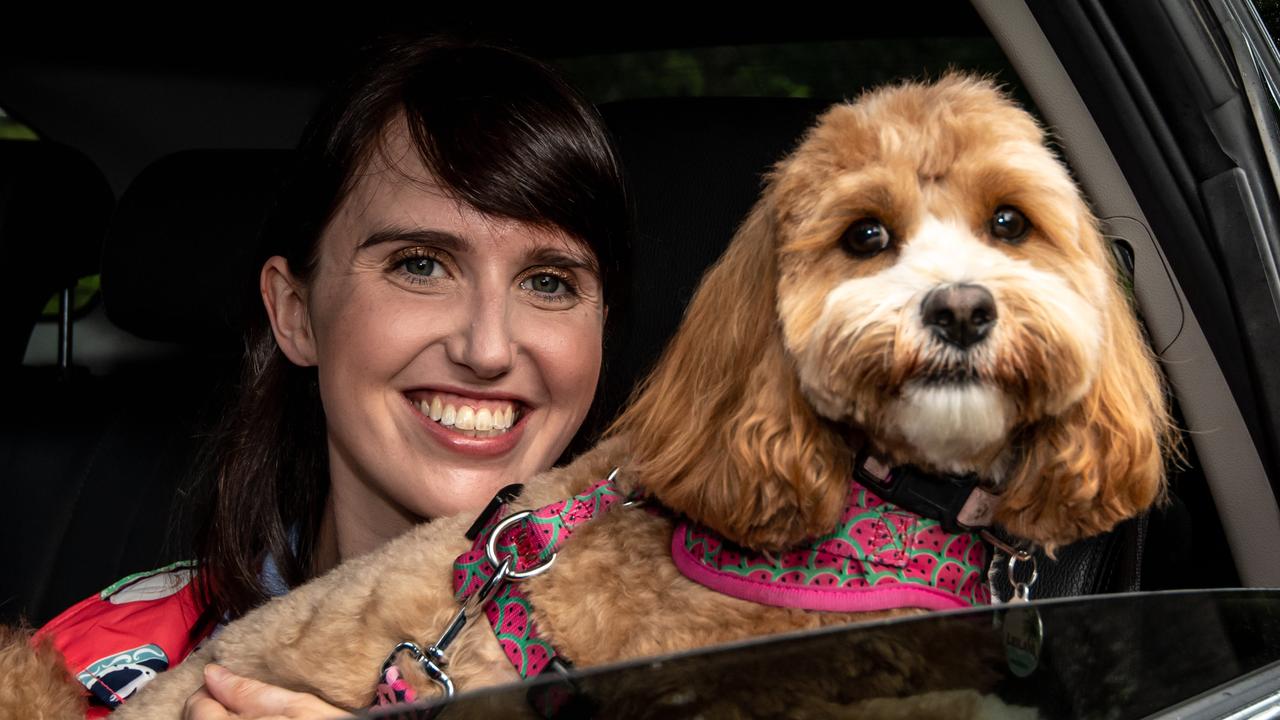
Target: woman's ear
column 285, row 299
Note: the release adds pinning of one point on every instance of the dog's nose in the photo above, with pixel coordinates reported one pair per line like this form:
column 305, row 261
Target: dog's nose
column 959, row 314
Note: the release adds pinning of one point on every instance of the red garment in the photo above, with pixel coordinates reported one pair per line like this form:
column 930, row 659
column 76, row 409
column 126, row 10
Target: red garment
column 117, row 641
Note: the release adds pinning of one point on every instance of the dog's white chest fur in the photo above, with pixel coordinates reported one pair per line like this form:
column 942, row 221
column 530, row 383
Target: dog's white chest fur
column 945, row 422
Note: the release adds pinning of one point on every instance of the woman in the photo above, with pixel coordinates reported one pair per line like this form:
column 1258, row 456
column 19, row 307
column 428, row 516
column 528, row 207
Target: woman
column 436, row 294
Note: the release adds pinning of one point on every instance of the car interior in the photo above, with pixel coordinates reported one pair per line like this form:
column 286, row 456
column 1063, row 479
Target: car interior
column 156, row 159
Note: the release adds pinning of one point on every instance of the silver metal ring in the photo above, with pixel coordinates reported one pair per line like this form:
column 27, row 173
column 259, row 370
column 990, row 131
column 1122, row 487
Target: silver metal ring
column 1023, row 557
column 491, row 550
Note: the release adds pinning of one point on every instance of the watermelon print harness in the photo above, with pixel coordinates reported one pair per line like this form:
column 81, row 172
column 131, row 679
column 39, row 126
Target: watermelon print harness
column 880, row 556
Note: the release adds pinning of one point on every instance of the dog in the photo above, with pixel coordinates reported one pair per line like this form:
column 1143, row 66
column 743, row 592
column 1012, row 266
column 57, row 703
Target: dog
column 921, row 291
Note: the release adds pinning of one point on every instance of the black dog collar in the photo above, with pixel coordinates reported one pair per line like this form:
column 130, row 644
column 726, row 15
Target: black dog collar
column 955, row 501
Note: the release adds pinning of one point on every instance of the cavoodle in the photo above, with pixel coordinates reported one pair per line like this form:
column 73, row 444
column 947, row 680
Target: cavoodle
column 917, row 333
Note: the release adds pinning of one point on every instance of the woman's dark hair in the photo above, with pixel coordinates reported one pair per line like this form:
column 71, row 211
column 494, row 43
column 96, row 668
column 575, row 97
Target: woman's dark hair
column 499, row 132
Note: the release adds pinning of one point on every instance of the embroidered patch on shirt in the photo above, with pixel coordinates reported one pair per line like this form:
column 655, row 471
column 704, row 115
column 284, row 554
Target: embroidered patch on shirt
column 115, row 677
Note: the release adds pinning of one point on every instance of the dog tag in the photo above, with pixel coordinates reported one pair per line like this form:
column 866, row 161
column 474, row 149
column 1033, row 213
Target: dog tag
column 1023, row 637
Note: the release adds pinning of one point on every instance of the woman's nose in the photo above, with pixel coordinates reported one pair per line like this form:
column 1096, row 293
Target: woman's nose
column 483, row 342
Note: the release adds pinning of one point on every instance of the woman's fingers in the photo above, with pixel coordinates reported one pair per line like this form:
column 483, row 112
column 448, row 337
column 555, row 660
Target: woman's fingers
column 242, row 697
column 202, row 706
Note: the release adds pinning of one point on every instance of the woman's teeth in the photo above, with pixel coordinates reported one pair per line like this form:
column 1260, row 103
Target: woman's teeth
column 492, row 419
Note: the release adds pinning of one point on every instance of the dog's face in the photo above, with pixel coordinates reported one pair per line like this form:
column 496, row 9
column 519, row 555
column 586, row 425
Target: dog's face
column 920, row 274
column 940, row 283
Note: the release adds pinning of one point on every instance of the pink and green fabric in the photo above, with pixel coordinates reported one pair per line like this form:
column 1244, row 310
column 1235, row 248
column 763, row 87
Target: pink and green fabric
column 531, row 542
column 879, row 557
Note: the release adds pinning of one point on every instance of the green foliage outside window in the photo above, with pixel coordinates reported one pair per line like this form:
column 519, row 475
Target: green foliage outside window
column 82, row 297
column 825, row 70
column 11, row 129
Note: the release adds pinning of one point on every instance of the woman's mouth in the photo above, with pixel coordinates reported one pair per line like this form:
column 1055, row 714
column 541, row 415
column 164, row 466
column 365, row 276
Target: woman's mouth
column 468, row 416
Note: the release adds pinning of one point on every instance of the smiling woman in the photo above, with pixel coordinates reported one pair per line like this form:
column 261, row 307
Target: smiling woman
column 452, row 236
column 436, row 280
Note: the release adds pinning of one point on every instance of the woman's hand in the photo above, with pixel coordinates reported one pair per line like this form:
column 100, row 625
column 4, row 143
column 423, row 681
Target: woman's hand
column 227, row 695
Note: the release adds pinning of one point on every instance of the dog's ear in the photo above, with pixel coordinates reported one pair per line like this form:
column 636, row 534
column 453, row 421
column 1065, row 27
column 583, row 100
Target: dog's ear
column 719, row 431
column 1102, row 461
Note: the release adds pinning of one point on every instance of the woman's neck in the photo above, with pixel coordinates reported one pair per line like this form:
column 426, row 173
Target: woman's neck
column 356, row 521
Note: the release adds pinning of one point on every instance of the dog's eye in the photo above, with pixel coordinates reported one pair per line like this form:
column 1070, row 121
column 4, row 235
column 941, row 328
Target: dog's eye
column 1009, row 224
column 866, row 237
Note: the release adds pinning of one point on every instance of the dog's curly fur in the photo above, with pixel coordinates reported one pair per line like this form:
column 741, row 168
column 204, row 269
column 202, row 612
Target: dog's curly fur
column 40, row 687
column 792, row 354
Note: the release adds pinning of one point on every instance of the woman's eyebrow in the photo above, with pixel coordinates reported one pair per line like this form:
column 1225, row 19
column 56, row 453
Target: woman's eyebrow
column 438, row 238
column 563, row 258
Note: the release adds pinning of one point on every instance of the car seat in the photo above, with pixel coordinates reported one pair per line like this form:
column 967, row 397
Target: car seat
column 98, row 472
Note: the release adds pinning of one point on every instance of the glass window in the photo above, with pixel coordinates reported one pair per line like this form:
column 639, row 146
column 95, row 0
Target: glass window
column 1269, row 11
column 83, row 297
column 11, row 129
column 823, row 70
column 1200, row 654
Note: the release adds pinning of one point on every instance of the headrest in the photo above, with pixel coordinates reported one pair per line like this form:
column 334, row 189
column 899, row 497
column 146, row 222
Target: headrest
column 179, row 259
column 54, row 208
column 694, row 168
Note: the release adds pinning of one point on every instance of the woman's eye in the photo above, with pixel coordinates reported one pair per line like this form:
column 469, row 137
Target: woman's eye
column 1009, row 224
column 420, row 266
column 547, row 284
column 865, row 238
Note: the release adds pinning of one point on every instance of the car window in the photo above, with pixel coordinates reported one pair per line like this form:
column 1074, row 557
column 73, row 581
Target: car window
column 1269, row 11
column 11, row 129
column 824, row 70
column 83, row 297
column 1197, row 654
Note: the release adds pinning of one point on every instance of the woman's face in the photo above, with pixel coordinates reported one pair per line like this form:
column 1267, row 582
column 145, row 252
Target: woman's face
column 457, row 352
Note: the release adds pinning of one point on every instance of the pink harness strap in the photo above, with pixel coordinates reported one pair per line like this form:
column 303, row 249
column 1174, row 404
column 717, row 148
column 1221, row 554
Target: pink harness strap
column 879, row 557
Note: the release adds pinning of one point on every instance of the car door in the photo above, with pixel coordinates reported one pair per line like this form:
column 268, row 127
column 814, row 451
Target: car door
column 1165, row 113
